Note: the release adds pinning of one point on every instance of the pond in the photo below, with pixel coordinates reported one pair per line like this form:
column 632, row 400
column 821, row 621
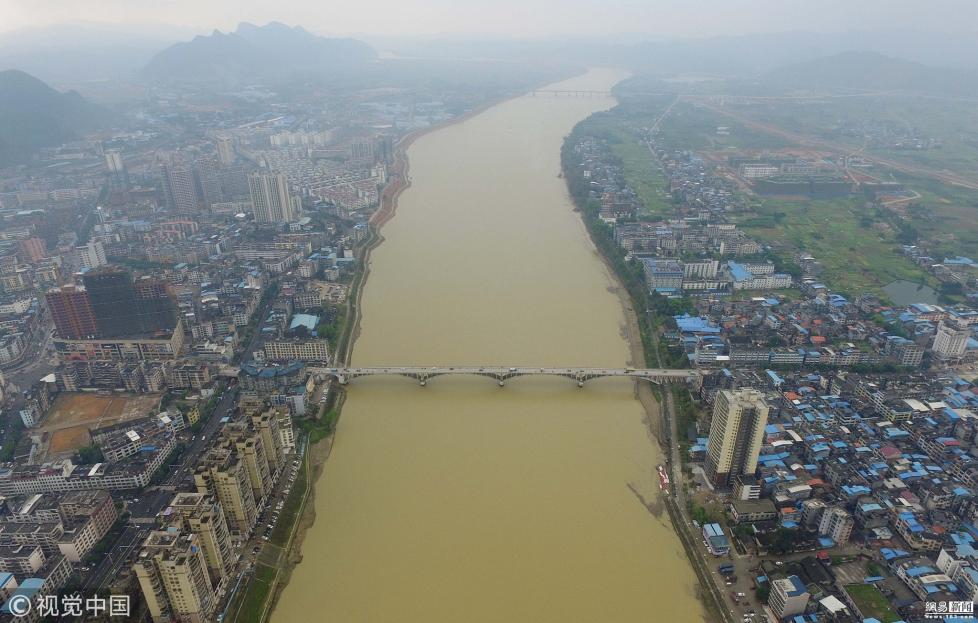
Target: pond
column 903, row 292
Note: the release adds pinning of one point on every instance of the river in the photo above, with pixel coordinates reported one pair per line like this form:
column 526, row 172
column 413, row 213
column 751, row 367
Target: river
column 464, row 501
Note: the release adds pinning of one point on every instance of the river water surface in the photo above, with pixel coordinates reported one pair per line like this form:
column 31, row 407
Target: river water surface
column 467, row 502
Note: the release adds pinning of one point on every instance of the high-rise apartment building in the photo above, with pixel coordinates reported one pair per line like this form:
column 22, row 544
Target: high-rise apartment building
column 203, row 516
column 179, row 188
column 72, row 312
column 951, row 340
column 223, row 474
column 736, row 434
column 267, row 424
column 172, row 574
column 271, row 199
column 225, row 150
column 208, row 181
column 90, row 255
column 248, row 444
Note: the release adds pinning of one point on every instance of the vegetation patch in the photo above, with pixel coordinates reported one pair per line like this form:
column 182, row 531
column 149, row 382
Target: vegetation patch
column 871, row 602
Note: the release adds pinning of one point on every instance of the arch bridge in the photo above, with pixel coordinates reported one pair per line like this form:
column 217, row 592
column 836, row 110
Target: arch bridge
column 502, row 374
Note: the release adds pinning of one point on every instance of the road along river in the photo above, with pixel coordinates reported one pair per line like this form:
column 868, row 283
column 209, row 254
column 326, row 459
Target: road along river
column 463, row 501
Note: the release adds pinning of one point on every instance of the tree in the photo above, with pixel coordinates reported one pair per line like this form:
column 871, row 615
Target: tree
column 90, row 455
column 783, row 541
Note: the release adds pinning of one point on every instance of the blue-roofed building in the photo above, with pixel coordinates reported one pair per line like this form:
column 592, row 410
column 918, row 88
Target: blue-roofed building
column 716, row 540
column 28, row 589
column 696, row 324
column 309, row 321
column 959, row 561
column 924, row 579
column 789, row 597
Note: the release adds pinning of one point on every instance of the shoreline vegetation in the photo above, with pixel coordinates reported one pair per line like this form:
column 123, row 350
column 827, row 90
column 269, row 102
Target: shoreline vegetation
column 318, row 433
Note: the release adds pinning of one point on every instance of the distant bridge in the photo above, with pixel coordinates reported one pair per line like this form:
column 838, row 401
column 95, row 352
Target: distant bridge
column 502, row 374
column 570, row 93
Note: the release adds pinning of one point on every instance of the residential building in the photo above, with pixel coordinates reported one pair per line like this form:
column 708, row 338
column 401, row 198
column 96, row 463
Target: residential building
column 179, row 188
column 665, row 276
column 64, row 475
column 788, row 597
column 172, row 573
column 951, row 340
column 836, row 523
column 736, row 434
column 90, row 255
column 271, row 199
column 297, row 350
column 222, row 474
column 202, row 515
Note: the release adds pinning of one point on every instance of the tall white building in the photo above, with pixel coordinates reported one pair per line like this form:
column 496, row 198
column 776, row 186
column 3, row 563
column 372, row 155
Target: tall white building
column 951, row 340
column 736, row 434
column 836, row 524
column 271, row 199
column 788, row 597
column 113, row 162
column 225, row 150
column 91, row 255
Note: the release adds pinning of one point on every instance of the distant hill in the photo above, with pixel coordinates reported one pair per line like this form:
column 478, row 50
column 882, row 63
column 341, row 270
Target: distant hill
column 33, row 115
column 83, row 51
column 874, row 72
column 256, row 52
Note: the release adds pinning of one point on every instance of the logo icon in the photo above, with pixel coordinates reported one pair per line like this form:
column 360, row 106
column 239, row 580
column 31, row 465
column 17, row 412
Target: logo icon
column 19, row 605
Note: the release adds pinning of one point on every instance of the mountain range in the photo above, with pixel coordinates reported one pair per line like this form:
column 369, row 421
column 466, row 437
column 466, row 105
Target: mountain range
column 270, row 52
column 33, row 115
column 871, row 71
column 83, row 52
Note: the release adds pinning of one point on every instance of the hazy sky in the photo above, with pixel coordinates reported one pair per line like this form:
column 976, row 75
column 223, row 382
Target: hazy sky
column 682, row 18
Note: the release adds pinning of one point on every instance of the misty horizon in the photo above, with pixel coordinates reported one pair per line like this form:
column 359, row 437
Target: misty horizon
column 664, row 19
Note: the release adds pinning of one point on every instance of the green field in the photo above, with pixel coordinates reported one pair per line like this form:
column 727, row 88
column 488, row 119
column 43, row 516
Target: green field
column 644, row 175
column 872, row 603
column 642, row 172
column 856, row 257
column 256, row 594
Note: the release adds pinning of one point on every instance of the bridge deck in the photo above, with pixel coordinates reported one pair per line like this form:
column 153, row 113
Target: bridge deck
column 501, row 374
